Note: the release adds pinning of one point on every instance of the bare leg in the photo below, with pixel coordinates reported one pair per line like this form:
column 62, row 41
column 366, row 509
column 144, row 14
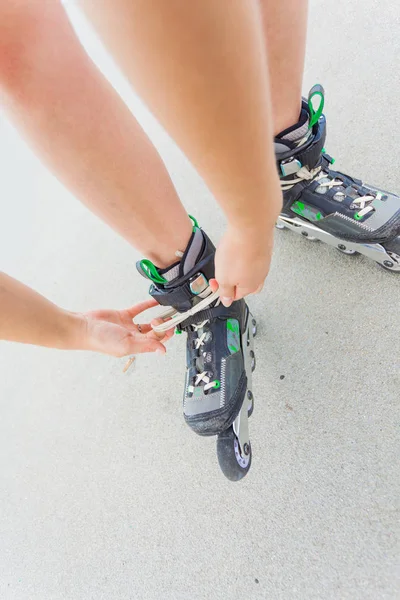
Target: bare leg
column 285, row 25
column 201, row 67
column 83, row 131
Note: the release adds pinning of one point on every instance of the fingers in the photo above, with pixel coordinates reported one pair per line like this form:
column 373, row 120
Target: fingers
column 143, row 327
column 160, row 335
column 241, row 292
column 226, row 293
column 213, row 284
column 141, row 307
column 148, row 345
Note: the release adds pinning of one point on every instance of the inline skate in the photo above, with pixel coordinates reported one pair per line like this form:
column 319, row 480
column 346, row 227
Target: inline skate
column 218, row 395
column 322, row 204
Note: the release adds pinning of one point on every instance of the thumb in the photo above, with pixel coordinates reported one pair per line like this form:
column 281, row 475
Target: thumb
column 226, row 293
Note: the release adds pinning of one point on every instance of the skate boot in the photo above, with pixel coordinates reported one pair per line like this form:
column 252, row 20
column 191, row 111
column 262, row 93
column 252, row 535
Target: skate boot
column 218, row 397
column 327, row 205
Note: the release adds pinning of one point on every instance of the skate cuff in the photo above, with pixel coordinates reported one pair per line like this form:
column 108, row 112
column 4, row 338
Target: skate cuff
column 307, row 155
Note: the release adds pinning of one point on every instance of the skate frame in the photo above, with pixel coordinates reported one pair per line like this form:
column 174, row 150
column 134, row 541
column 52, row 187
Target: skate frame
column 375, row 252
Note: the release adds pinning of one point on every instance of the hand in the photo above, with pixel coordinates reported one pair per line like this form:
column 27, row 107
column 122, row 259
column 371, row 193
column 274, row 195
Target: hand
column 242, row 261
column 114, row 332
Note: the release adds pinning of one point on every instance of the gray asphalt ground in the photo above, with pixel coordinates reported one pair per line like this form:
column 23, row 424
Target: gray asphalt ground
column 105, row 494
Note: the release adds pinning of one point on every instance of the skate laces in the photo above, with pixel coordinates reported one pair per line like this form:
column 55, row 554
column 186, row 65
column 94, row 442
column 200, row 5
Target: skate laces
column 202, row 376
column 172, row 318
column 326, row 180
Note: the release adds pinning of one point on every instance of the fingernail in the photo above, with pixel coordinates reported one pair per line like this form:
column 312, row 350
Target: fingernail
column 226, row 301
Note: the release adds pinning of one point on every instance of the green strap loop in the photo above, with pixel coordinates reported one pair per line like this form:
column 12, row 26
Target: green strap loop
column 317, row 91
column 151, row 271
column 195, row 223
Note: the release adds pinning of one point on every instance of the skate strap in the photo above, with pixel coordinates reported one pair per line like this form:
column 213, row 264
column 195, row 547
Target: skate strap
column 307, row 155
column 175, row 318
column 175, row 297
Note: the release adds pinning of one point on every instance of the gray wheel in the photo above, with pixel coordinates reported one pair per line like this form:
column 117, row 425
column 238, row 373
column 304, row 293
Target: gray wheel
column 254, row 326
column 233, row 464
column 342, row 248
column 250, row 405
column 390, row 269
column 308, row 237
column 392, row 264
column 253, row 360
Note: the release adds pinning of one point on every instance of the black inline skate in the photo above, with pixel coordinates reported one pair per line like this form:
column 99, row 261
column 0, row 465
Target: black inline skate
column 327, row 205
column 218, row 396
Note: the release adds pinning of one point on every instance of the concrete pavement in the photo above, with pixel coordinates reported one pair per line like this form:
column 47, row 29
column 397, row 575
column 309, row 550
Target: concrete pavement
column 105, row 494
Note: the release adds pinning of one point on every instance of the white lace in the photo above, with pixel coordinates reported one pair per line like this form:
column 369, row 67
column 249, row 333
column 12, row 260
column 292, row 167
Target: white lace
column 172, row 318
column 317, row 174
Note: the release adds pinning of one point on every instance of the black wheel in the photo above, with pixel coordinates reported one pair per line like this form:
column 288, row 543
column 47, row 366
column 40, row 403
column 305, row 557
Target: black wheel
column 250, row 405
column 233, row 465
column 254, row 327
column 253, row 360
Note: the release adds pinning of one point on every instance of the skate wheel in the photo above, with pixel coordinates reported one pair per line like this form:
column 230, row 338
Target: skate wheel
column 392, row 264
column 342, row 248
column 233, row 464
column 254, row 327
column 308, row 237
column 253, row 360
column 279, row 225
column 250, row 406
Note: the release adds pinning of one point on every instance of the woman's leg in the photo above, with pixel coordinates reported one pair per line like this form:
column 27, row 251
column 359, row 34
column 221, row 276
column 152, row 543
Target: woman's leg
column 285, row 26
column 201, row 68
column 84, row 132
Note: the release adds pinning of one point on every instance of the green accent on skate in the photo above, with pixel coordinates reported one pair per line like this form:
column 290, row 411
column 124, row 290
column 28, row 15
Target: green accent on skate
column 298, row 207
column 195, row 223
column 357, row 217
column 308, row 212
column 317, row 91
column 233, row 325
column 323, row 151
column 217, row 384
column 178, row 331
column 151, row 271
column 233, row 335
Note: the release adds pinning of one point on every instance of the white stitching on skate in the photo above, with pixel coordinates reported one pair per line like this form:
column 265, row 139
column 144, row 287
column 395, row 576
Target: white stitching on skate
column 222, row 393
column 337, row 214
